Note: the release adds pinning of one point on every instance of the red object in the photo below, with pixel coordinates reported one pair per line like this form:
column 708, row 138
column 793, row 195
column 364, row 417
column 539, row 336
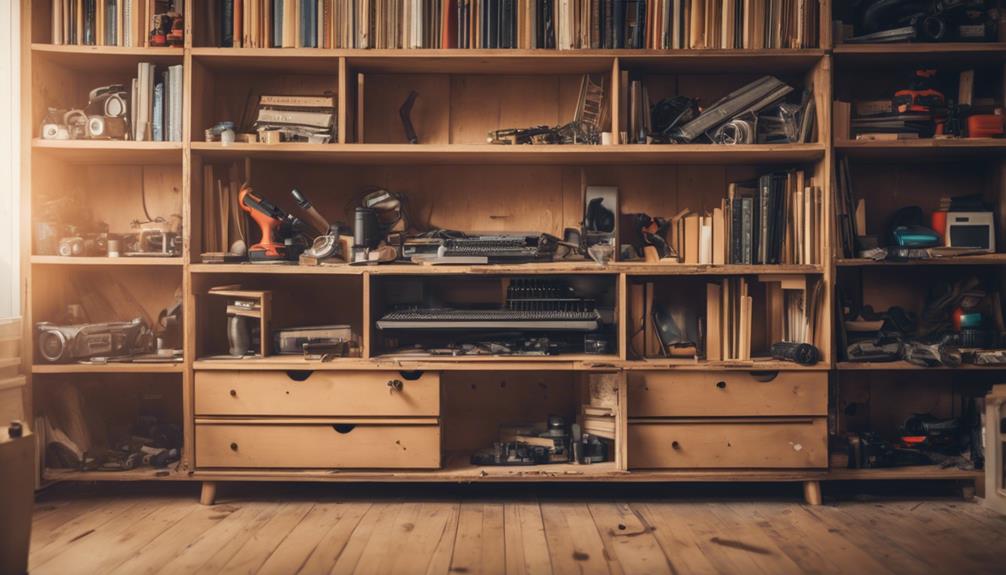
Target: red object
column 957, row 318
column 269, row 248
column 985, row 126
column 939, row 223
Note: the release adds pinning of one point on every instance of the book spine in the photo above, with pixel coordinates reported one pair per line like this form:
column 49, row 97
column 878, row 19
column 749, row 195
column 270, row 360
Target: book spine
column 158, row 131
column 227, row 23
column 736, row 232
column 177, row 77
column 747, row 225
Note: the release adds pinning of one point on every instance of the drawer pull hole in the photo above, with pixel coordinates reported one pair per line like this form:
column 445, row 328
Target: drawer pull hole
column 234, row 393
column 764, row 376
column 343, row 427
column 675, row 445
column 721, row 384
column 411, row 375
column 234, row 447
column 299, row 374
column 395, row 385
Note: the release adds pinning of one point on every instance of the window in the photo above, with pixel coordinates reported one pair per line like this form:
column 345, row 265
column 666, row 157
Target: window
column 10, row 158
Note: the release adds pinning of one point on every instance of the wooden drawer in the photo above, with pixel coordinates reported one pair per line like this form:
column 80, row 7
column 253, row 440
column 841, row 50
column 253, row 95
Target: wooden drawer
column 727, row 393
column 318, row 445
column 321, row 394
column 728, row 444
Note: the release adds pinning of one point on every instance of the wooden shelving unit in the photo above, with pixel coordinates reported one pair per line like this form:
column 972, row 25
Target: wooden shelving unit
column 471, row 185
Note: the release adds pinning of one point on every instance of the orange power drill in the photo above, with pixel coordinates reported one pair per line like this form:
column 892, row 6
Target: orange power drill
column 276, row 226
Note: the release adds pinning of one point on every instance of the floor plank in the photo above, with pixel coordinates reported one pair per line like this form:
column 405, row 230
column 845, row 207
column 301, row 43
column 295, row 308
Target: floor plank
column 442, row 530
column 524, row 534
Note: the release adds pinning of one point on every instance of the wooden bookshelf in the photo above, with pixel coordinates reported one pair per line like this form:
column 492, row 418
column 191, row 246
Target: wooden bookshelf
column 455, row 176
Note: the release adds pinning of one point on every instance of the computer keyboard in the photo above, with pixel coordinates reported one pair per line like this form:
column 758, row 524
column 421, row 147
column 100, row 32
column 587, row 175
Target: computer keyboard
column 446, row 319
column 500, row 248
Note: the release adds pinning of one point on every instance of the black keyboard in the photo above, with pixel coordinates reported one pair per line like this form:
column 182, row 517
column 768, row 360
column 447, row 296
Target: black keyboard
column 447, row 319
column 500, row 248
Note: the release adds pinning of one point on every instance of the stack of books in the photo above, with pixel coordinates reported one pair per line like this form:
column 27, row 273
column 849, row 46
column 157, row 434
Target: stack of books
column 156, row 103
column 523, row 24
column 123, row 23
column 298, row 118
column 777, row 219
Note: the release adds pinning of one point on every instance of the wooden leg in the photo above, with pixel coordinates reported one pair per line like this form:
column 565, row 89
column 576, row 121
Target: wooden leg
column 209, row 493
column 812, row 492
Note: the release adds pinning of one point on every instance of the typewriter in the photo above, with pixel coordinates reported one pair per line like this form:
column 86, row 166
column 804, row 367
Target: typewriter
column 500, row 248
column 531, row 304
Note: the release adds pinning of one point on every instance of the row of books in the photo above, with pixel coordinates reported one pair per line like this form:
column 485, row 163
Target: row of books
column 776, row 219
column 524, row 24
column 791, row 308
column 156, row 103
column 123, row 23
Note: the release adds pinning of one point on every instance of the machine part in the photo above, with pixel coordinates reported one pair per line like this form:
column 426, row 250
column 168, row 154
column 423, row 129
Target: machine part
column 735, row 131
column 802, row 353
column 405, row 113
column 314, row 217
column 366, row 229
column 238, row 335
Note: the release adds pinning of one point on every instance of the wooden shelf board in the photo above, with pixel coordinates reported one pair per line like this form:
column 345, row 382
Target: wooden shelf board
column 905, row 366
column 633, row 268
column 104, row 58
column 575, row 362
column 6, row 362
column 895, row 473
column 888, row 54
column 768, row 61
column 109, row 368
column 140, row 474
column 448, row 154
column 500, row 363
column 457, row 468
column 115, row 152
column 105, row 261
column 923, row 149
column 972, row 260
column 736, row 365
column 455, row 61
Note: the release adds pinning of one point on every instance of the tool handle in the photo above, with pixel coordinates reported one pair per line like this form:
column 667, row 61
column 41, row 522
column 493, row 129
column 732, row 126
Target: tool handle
column 314, row 217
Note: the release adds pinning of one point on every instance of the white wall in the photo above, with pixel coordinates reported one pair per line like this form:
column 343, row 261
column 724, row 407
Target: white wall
column 10, row 294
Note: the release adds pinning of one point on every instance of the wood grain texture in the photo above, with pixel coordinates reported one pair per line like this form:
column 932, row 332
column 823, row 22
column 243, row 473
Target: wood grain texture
column 369, row 530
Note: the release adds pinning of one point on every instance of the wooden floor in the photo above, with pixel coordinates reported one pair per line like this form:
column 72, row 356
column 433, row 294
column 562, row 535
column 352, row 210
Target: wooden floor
column 481, row 529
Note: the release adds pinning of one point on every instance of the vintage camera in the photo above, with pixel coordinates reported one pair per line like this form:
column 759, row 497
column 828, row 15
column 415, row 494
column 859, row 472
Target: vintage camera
column 83, row 245
column 65, row 343
column 53, row 126
column 111, row 101
column 106, row 128
column 64, row 125
column 107, row 111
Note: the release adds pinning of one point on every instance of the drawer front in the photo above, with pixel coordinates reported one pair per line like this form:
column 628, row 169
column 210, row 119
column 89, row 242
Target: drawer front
column 322, row 393
column 318, row 446
column 728, row 445
column 727, row 394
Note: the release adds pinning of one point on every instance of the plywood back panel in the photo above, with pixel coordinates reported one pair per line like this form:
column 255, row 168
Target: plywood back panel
column 476, row 404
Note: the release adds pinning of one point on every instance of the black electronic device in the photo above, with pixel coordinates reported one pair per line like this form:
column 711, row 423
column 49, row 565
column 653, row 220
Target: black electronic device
column 531, row 304
column 65, row 343
column 500, row 248
column 802, row 353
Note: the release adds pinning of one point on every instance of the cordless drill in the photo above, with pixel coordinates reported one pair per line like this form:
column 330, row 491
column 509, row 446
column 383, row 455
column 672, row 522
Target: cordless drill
column 276, row 225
